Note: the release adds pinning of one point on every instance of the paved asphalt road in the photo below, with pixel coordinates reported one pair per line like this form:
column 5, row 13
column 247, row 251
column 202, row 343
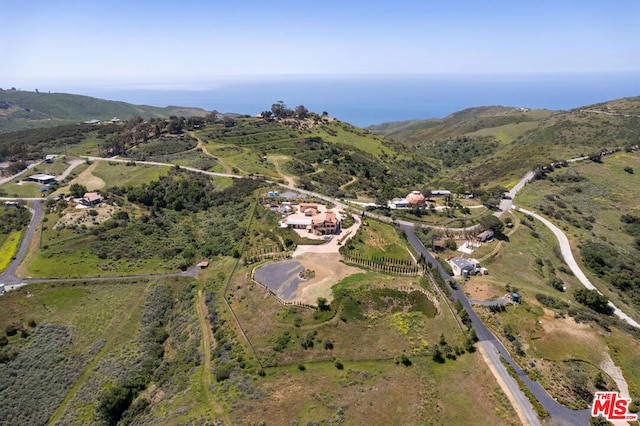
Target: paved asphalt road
column 565, row 249
column 8, row 277
column 558, row 412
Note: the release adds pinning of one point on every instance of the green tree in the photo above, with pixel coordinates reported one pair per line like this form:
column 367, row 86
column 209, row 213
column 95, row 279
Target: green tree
column 493, row 223
column 491, row 202
column 76, row 190
column 322, row 304
column 228, row 121
column 404, row 359
column 279, row 109
column 442, row 341
column 594, row 300
column 599, row 382
column 301, row 112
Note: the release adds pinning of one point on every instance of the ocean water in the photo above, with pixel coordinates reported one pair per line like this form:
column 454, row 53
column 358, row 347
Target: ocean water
column 372, row 100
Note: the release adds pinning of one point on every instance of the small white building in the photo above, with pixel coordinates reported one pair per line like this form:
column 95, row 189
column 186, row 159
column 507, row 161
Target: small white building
column 42, row 178
column 464, row 267
column 399, row 203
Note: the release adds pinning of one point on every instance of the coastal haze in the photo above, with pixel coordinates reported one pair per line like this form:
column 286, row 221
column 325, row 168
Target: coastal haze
column 368, row 100
column 364, row 65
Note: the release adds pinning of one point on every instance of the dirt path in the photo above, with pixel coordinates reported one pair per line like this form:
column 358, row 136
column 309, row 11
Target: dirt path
column 200, row 145
column 274, row 159
column 208, row 341
column 72, row 165
column 567, row 254
column 609, row 367
column 353, row 180
column 594, row 111
column 498, row 246
column 88, row 179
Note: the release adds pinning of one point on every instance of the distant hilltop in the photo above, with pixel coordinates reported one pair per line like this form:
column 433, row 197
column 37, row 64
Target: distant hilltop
column 20, row 110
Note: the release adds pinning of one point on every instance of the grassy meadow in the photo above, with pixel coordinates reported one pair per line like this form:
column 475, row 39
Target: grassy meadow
column 93, row 321
column 122, row 174
column 563, row 355
column 8, row 248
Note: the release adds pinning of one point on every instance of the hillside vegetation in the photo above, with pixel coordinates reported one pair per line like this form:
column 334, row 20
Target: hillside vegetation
column 111, row 341
column 497, row 144
column 21, row 110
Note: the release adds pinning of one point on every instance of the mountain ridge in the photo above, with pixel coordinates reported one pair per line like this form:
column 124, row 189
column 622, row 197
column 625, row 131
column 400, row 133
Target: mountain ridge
column 22, row 110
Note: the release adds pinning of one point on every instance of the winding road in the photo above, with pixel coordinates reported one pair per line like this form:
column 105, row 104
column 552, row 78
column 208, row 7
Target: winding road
column 567, row 255
column 8, row 277
column 492, row 347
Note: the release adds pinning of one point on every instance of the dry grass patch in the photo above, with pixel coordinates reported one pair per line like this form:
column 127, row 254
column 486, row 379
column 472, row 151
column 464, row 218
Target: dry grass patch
column 484, row 287
column 562, row 339
column 381, row 392
column 328, row 271
column 88, row 179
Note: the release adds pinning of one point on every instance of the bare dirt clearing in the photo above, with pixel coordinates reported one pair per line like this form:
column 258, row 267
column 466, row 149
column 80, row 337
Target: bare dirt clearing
column 283, row 277
column 483, row 288
column 87, row 179
column 88, row 216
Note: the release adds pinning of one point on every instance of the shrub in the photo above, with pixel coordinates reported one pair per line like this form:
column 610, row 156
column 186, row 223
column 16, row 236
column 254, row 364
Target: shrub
column 338, row 364
column 594, row 300
column 404, row 359
column 450, row 244
column 223, row 373
column 556, row 283
column 114, row 402
column 12, row 329
column 551, row 302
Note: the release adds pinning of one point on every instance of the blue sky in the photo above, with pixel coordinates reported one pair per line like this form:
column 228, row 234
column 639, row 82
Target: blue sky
column 181, row 44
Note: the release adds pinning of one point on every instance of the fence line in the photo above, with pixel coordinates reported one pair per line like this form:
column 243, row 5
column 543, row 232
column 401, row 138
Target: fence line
column 282, row 302
column 394, row 267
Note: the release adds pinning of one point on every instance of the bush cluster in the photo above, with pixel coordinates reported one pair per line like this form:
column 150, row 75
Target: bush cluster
column 35, row 382
column 114, row 403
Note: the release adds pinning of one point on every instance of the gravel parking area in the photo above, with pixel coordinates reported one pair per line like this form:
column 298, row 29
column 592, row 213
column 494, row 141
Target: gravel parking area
column 281, row 277
column 284, row 280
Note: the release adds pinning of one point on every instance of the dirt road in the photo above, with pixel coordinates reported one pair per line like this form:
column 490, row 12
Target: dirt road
column 208, row 341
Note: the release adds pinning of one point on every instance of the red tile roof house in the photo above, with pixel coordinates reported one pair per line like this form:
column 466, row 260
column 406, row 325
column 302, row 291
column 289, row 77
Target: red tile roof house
column 325, row 224
column 312, row 221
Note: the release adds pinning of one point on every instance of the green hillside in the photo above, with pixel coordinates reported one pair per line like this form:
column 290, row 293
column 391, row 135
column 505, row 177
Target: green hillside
column 124, row 328
column 21, row 110
column 482, row 145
